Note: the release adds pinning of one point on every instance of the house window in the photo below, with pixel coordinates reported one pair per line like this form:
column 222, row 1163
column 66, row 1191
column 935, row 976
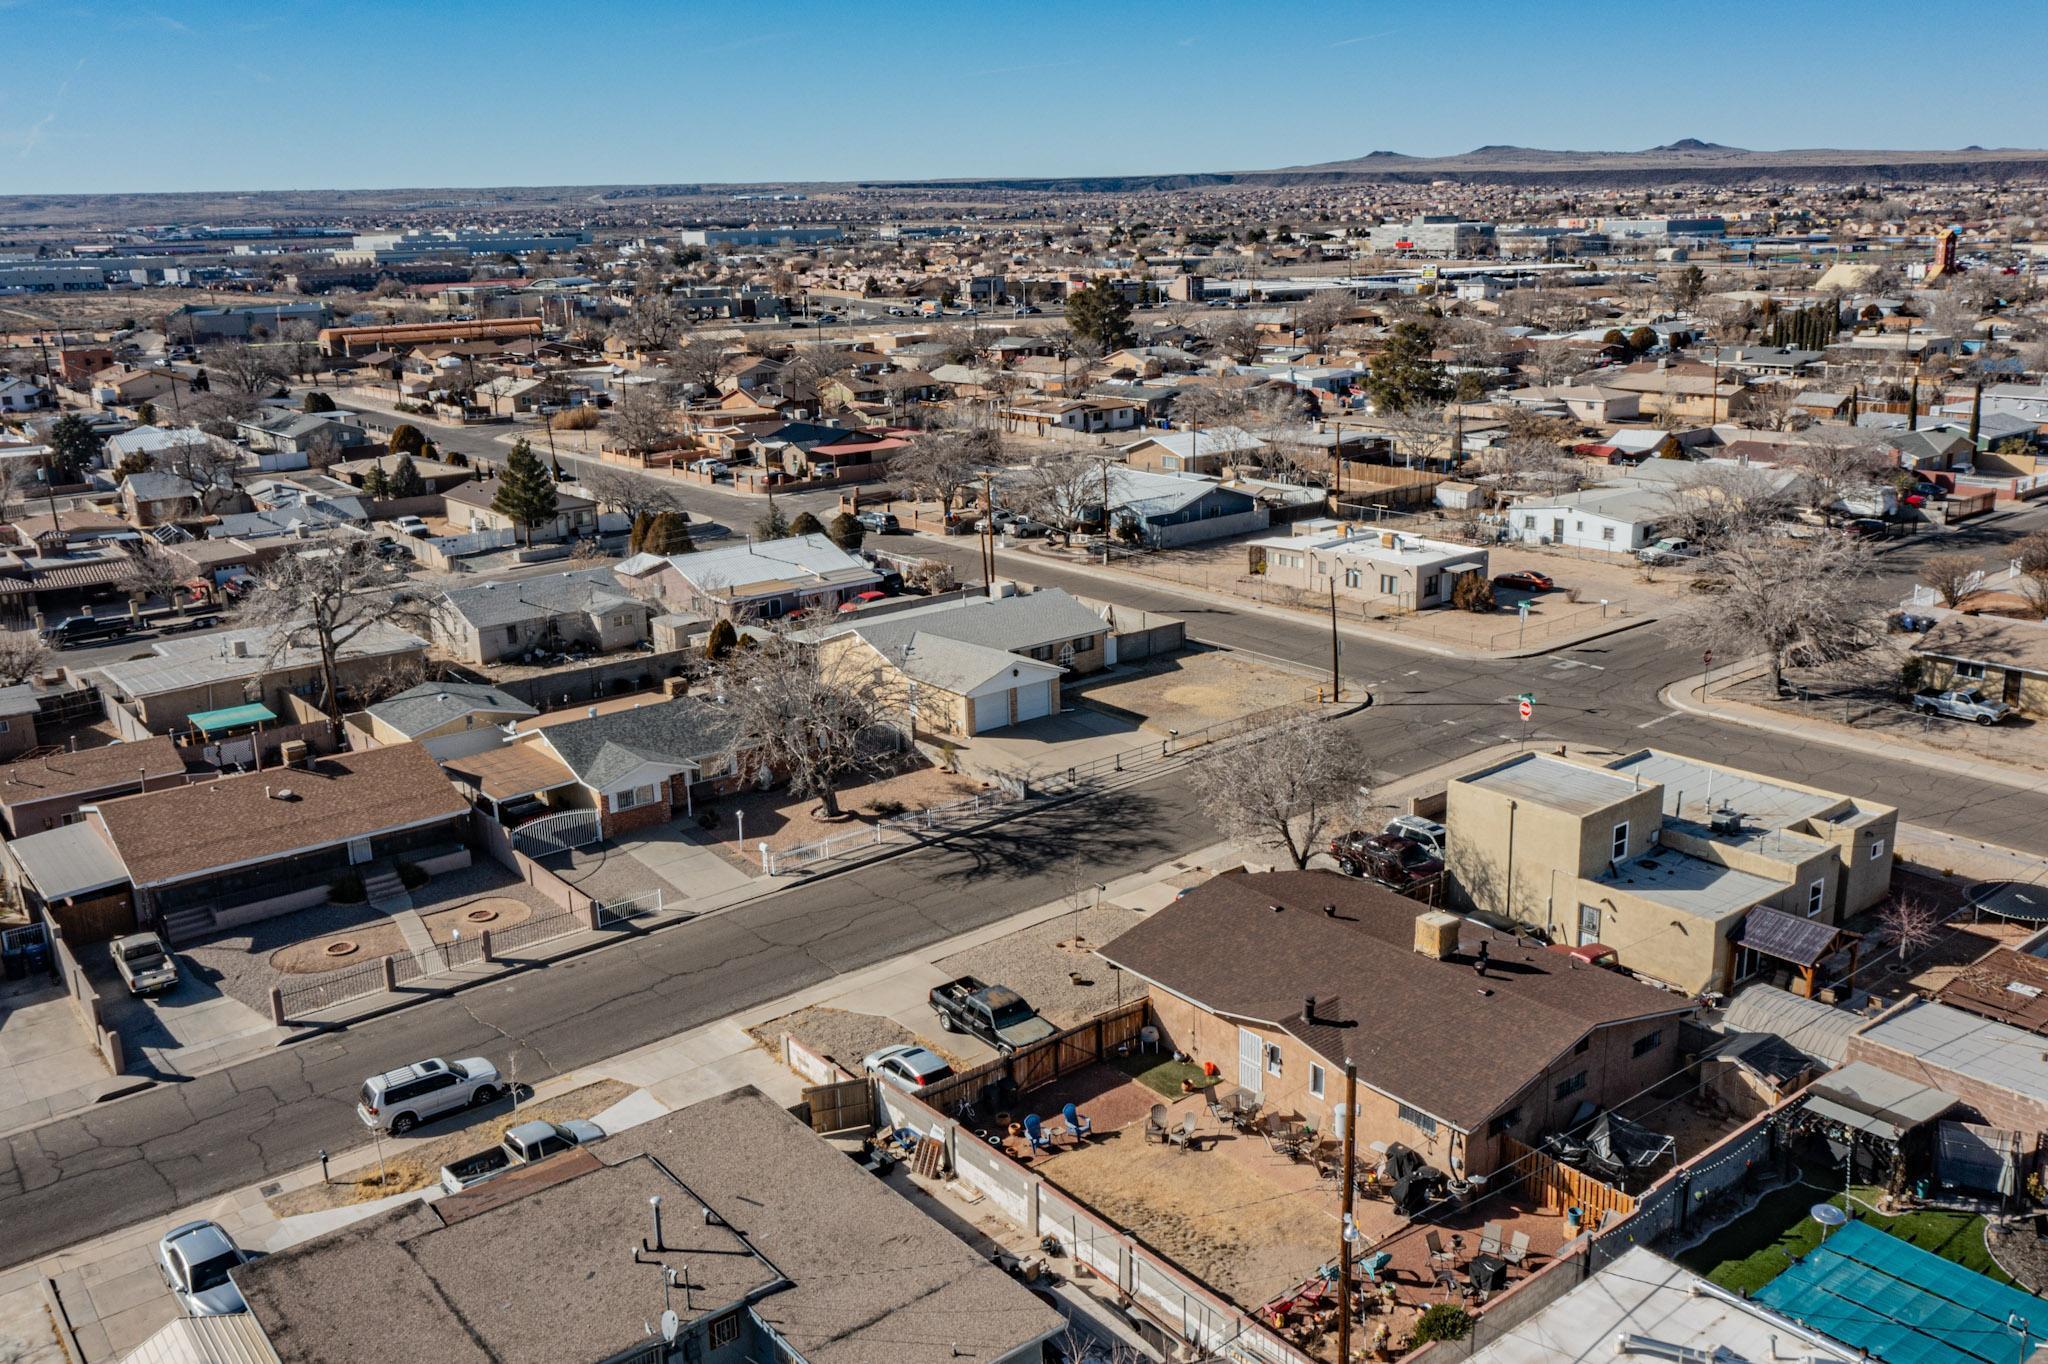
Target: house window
column 1647, row 1043
column 1353, row 577
column 1972, row 671
column 1619, row 850
column 635, row 797
column 1272, row 1059
column 724, row 1330
column 1876, row 849
column 1315, row 1080
column 1814, row 893
column 1570, row 1085
column 1418, row 1119
column 1389, row 584
column 1433, row 584
column 1528, row 523
column 1607, row 534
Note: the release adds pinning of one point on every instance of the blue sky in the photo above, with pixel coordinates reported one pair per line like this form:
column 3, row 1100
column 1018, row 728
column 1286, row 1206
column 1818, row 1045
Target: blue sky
column 264, row 94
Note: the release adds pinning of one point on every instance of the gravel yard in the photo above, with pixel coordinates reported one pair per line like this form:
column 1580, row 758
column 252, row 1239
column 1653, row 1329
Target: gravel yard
column 1197, row 687
column 1054, row 965
column 845, row 1037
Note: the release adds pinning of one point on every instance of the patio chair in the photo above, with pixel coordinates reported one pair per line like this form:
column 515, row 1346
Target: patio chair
column 1489, row 1239
column 1213, row 1102
column 1375, row 1264
column 1184, row 1135
column 1437, row 1253
column 1517, row 1248
column 1245, row 1118
column 1155, row 1123
column 1034, row 1133
column 1078, row 1127
column 1448, row 1282
column 1148, row 1038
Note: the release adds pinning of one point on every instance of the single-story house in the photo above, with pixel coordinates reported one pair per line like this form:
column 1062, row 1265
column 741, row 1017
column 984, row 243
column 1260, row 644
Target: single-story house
column 469, row 506
column 1171, row 510
column 1616, row 520
column 760, row 580
column 438, row 475
column 183, row 676
column 42, row 793
column 585, row 609
column 295, row 433
column 20, row 395
column 1389, row 569
column 1088, row 416
column 1194, row 450
column 1454, row 1051
column 154, row 497
column 448, row 719
column 2001, row 656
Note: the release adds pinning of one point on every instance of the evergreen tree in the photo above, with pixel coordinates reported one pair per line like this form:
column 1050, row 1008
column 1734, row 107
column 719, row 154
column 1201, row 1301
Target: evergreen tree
column 316, row 401
column 145, row 413
column 636, row 541
column 806, row 524
column 1642, row 340
column 376, row 483
column 772, row 526
column 1100, row 313
column 525, row 494
column 1403, row 375
column 406, row 439
column 846, row 532
column 406, row 480
column 74, row 448
column 721, row 641
column 668, row 533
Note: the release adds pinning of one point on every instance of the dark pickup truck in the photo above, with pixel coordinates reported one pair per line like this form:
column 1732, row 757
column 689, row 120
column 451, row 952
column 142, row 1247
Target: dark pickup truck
column 523, row 1145
column 996, row 1014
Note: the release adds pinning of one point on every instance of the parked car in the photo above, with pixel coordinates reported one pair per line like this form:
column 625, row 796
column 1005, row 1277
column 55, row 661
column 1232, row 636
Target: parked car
column 1526, row 579
column 1968, row 704
column 1426, row 834
column 194, row 1261
column 75, row 630
column 996, row 1014
column 827, row 319
column 1025, row 310
column 717, row 468
column 146, row 965
column 1866, row 528
column 411, row 525
column 524, row 1143
column 878, row 523
column 1389, row 859
column 1665, row 552
column 860, row 599
column 914, row 1066
column 399, row 1100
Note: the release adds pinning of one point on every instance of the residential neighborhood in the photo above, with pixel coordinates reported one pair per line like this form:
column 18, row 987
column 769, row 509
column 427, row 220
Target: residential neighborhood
column 733, row 731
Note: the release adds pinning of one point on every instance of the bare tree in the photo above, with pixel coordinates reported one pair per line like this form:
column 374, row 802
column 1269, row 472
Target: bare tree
column 215, row 412
column 1289, row 787
column 652, row 323
column 321, row 603
column 152, row 572
column 236, row 368
column 1718, row 502
column 941, row 464
column 1236, row 337
column 822, row 716
column 642, row 419
column 1794, row 601
column 1954, row 577
column 208, row 465
column 1910, row 924
column 1774, row 407
column 700, row 364
column 804, row 371
column 300, row 350
column 23, row 654
column 1322, row 313
column 1061, row 488
column 1534, row 464
column 630, row 494
column 1835, row 461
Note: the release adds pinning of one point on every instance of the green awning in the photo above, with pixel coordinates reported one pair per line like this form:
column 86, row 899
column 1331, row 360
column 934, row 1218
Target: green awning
column 233, row 717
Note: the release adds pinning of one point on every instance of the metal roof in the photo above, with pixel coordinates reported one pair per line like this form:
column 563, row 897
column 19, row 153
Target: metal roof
column 1997, row 1054
column 71, row 859
column 194, row 661
column 254, row 713
column 1766, row 802
column 236, row 1339
column 1544, row 780
column 1817, row 1029
column 1773, row 932
column 1872, row 1099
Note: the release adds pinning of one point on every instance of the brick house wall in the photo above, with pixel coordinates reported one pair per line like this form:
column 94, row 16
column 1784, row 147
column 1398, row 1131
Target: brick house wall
column 614, row 823
column 2001, row 1107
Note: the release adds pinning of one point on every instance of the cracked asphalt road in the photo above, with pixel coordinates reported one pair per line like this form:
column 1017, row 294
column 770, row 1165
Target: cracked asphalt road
column 144, row 1156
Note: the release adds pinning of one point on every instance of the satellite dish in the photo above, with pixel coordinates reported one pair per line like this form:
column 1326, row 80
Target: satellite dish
column 670, row 1325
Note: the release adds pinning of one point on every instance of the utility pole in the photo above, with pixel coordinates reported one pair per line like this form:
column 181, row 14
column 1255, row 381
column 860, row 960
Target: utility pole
column 987, row 535
column 1105, row 512
column 1336, row 678
column 1347, row 1230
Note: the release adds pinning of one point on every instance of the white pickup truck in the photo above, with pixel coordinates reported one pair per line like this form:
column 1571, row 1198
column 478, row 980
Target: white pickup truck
column 524, row 1144
column 146, row 965
column 1962, row 705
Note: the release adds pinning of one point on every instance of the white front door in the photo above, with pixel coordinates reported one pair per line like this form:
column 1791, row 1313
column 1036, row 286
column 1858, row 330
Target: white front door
column 1589, row 924
column 1251, row 1057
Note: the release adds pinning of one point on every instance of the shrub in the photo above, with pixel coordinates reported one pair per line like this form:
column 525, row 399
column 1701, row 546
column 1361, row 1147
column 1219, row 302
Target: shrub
column 721, row 640
column 1443, row 1321
column 806, row 524
column 1472, row 592
column 346, row 889
column 411, row 875
column 582, row 418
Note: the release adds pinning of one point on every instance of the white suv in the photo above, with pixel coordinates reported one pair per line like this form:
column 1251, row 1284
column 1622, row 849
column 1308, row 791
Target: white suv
column 399, row 1100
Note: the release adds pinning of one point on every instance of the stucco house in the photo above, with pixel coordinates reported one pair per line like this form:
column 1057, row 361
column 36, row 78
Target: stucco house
column 1388, row 569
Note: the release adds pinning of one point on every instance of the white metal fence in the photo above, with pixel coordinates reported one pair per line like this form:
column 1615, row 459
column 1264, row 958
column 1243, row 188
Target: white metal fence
column 612, row 913
column 556, row 833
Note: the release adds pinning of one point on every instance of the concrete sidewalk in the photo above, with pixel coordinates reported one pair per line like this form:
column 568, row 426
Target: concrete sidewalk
column 105, row 1297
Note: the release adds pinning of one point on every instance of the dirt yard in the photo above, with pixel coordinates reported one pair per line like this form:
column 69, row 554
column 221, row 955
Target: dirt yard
column 782, row 820
column 1873, row 708
column 1054, row 965
column 494, row 913
column 1196, row 688
column 840, row 1034
column 340, row 950
column 417, row 1165
column 1222, row 1222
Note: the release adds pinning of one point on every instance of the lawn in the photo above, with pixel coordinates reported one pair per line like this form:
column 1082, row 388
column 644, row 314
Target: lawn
column 1760, row 1245
column 1163, row 1074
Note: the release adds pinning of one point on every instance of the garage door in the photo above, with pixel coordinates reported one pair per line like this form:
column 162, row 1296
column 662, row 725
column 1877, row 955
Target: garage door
column 1034, row 701
column 991, row 711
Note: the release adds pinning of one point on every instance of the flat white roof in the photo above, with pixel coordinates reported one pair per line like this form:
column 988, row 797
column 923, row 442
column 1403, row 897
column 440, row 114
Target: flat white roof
column 1954, row 1039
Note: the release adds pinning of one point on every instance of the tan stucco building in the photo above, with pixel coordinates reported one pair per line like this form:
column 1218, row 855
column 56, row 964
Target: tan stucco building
column 1378, row 567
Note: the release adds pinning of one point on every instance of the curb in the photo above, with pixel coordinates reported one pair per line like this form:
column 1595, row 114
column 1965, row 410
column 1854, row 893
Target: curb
column 53, row 1303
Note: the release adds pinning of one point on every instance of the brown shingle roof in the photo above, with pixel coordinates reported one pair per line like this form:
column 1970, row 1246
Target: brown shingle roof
column 1429, row 1033
column 188, row 830
column 89, row 769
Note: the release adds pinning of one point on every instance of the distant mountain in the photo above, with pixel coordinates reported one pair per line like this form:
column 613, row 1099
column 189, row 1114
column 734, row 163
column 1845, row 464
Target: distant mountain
column 1693, row 144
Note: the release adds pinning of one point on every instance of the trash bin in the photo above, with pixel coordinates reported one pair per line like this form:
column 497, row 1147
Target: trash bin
column 35, row 959
column 11, row 965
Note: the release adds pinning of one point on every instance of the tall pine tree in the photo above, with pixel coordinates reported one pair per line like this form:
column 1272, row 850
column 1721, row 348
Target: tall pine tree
column 1100, row 313
column 525, row 494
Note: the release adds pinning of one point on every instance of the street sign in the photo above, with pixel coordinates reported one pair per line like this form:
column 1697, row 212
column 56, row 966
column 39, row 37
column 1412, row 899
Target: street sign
column 1525, row 708
column 1708, row 658
column 1523, row 608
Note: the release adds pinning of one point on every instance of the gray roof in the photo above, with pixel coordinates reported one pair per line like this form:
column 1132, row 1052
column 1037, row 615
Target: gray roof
column 433, row 704
column 71, row 859
column 1873, row 1099
column 1760, row 800
column 18, row 700
column 1561, row 785
column 1689, row 884
column 793, row 564
column 585, row 591
column 957, row 666
column 194, row 661
column 153, row 485
column 1619, row 504
column 1817, row 1029
column 681, row 733
column 1947, row 1038
column 1024, row 621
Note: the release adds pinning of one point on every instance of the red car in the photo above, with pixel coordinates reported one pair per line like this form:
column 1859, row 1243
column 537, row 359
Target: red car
column 863, row 599
column 1528, row 579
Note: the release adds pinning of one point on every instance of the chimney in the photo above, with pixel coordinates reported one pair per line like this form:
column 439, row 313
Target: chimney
column 1308, row 1009
column 239, row 648
column 1436, row 934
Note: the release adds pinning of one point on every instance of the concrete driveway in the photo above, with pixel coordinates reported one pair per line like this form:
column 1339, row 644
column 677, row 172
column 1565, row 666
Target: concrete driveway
column 1038, row 747
column 49, row 1063
column 191, row 1028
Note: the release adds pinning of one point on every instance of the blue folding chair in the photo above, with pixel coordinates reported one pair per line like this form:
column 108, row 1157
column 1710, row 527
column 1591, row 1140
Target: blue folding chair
column 1034, row 1133
column 1081, row 1127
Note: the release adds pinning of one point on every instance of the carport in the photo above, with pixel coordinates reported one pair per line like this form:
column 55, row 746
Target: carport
column 74, row 875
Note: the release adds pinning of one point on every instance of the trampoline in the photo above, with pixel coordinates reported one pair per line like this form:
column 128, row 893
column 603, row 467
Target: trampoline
column 1903, row 1304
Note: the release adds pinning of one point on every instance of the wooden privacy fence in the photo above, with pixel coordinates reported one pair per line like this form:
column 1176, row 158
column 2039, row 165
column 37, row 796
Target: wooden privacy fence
column 1041, row 1063
column 1561, row 1187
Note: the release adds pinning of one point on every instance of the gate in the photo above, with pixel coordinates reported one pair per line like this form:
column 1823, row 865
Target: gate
column 556, row 833
column 841, row 1105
